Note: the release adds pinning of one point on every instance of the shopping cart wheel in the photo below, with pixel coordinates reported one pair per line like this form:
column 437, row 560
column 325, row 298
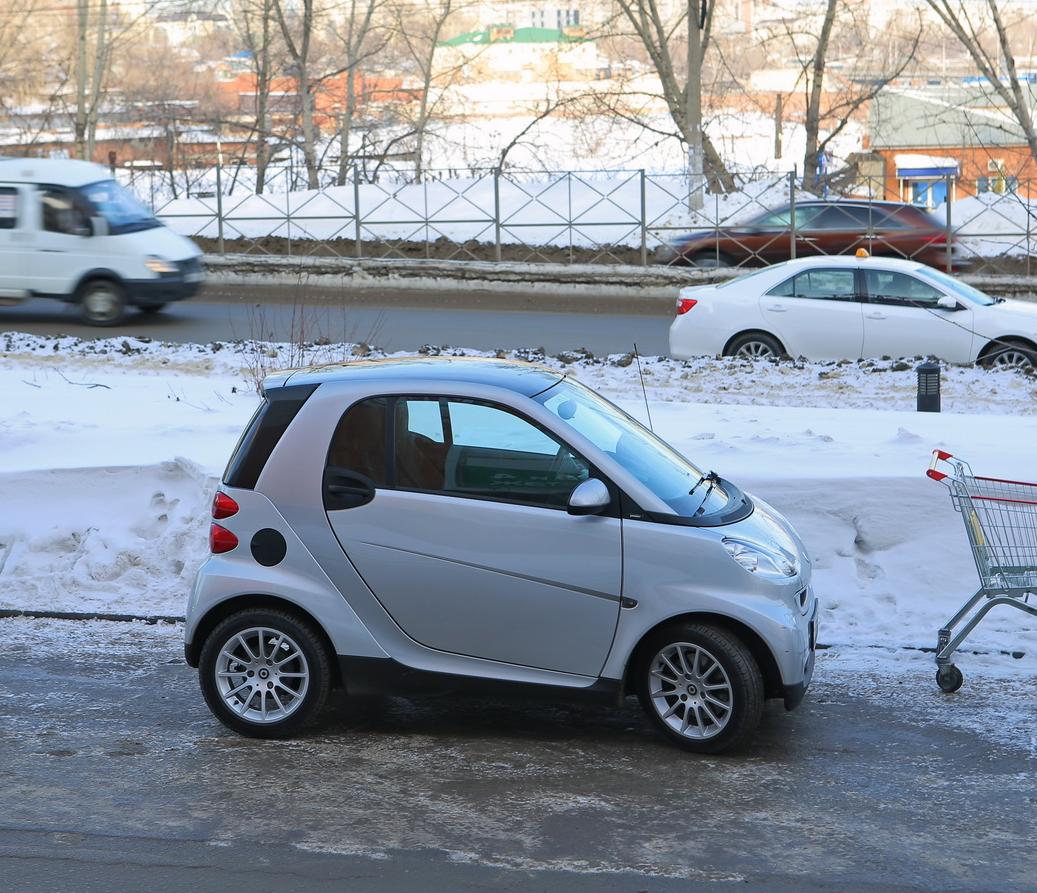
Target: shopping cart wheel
column 949, row 678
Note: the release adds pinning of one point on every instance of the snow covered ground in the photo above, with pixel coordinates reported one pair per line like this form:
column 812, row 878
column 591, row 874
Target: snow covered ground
column 109, row 451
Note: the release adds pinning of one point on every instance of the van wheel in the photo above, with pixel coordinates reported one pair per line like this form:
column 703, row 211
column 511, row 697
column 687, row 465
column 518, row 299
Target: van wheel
column 264, row 673
column 102, row 303
column 152, row 308
column 701, row 687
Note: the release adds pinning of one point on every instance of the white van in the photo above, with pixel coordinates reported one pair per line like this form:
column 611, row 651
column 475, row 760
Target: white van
column 69, row 231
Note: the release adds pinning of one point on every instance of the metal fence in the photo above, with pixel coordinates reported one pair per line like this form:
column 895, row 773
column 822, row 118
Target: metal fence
column 628, row 216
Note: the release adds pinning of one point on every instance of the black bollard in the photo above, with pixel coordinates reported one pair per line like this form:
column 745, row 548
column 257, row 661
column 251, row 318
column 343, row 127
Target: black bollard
column 928, row 386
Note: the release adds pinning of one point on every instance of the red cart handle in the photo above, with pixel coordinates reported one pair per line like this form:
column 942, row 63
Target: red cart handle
column 938, row 456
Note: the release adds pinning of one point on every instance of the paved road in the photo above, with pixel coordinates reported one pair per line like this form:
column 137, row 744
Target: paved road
column 114, row 777
column 394, row 320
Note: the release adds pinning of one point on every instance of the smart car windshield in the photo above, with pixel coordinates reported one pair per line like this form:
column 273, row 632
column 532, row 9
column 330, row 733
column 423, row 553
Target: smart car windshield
column 664, row 471
column 122, row 210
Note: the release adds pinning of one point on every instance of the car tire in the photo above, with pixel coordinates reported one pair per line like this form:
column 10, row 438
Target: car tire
column 265, row 673
column 755, row 346
column 715, row 704
column 1011, row 356
column 152, row 308
column 711, row 260
column 102, row 302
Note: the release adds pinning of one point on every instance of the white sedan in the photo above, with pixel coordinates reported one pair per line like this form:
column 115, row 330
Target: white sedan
column 851, row 307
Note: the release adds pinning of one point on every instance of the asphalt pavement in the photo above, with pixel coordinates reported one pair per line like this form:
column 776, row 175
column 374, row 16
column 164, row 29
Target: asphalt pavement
column 114, row 777
column 393, row 319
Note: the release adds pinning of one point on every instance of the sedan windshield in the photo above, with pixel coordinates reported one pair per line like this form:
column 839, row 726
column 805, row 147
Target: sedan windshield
column 664, row 471
column 957, row 287
column 122, row 210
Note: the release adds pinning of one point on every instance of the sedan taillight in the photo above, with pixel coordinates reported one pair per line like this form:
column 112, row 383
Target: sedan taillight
column 684, row 305
column 221, row 539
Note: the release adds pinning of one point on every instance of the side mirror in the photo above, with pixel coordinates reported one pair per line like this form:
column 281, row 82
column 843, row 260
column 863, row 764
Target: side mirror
column 589, row 498
column 98, row 226
column 946, row 302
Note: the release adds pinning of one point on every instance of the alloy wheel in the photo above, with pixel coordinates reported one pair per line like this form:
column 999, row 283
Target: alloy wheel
column 690, row 691
column 754, row 350
column 262, row 675
column 1013, row 359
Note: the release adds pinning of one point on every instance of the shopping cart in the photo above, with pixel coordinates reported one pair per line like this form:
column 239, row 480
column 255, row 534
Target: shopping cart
column 1001, row 523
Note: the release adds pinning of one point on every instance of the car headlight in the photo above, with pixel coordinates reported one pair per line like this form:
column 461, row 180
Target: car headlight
column 158, row 265
column 760, row 560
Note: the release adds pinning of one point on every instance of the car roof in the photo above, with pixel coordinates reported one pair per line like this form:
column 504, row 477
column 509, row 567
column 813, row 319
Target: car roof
column 57, row 171
column 524, row 378
column 847, row 260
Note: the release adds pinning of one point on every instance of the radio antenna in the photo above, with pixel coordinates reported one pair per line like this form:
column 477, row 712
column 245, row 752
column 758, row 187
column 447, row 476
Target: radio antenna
column 644, row 391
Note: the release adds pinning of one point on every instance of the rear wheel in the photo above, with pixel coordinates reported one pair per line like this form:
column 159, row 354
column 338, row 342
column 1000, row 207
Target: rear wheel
column 711, row 260
column 102, row 303
column 265, row 673
column 701, row 686
column 755, row 346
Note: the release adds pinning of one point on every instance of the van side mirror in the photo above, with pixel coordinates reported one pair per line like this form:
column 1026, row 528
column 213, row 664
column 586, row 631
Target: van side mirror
column 589, row 498
column 98, row 226
column 946, row 302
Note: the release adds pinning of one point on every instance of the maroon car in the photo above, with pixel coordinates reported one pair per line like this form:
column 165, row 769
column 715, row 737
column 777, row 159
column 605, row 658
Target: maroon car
column 886, row 229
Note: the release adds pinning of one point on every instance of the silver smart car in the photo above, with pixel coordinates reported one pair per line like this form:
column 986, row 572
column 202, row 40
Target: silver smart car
column 434, row 524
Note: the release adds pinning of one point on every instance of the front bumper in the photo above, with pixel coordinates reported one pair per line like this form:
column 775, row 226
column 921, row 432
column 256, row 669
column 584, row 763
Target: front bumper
column 795, row 692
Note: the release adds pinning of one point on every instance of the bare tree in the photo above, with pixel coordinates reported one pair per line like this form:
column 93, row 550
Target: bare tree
column 298, row 24
column 1001, row 75
column 661, row 36
column 420, row 30
column 853, row 95
column 360, row 38
column 253, row 21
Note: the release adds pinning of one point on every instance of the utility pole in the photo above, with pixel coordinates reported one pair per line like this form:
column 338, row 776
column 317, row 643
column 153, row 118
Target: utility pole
column 693, row 103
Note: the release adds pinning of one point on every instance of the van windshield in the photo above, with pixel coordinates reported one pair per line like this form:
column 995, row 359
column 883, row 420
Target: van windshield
column 122, row 210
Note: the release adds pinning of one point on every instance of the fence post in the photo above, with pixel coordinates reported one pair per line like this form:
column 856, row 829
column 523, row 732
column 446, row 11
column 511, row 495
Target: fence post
column 949, row 235
column 792, row 215
column 358, row 234
column 219, row 196
column 496, row 215
column 644, row 223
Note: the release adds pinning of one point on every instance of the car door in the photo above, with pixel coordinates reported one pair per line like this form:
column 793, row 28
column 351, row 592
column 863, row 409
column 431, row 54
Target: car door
column 817, row 313
column 467, row 543
column 13, row 257
column 902, row 319
column 60, row 243
column 835, row 228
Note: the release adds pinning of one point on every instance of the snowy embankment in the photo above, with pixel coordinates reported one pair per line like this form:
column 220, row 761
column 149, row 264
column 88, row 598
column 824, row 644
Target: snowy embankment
column 109, row 452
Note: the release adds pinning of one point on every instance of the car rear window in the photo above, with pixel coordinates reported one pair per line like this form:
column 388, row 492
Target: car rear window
column 263, row 433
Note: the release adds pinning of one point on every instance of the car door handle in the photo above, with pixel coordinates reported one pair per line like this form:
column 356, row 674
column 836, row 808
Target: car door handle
column 806, row 238
column 345, row 489
column 776, row 308
column 875, row 315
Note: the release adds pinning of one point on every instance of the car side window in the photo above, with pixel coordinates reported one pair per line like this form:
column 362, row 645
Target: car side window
column 8, row 207
column 359, row 444
column 62, row 213
column 842, row 217
column 482, row 452
column 827, row 285
column 889, row 287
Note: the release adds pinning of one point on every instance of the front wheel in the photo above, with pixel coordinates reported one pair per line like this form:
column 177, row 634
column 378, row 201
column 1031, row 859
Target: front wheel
column 102, row 303
column 264, row 673
column 701, row 687
column 1011, row 358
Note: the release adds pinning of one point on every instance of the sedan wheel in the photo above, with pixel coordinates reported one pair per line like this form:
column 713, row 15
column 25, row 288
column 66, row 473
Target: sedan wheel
column 755, row 346
column 1013, row 359
column 701, row 687
column 264, row 673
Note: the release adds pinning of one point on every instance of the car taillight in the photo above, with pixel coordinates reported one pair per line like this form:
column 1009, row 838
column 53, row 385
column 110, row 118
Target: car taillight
column 221, row 539
column 223, row 506
column 684, row 305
